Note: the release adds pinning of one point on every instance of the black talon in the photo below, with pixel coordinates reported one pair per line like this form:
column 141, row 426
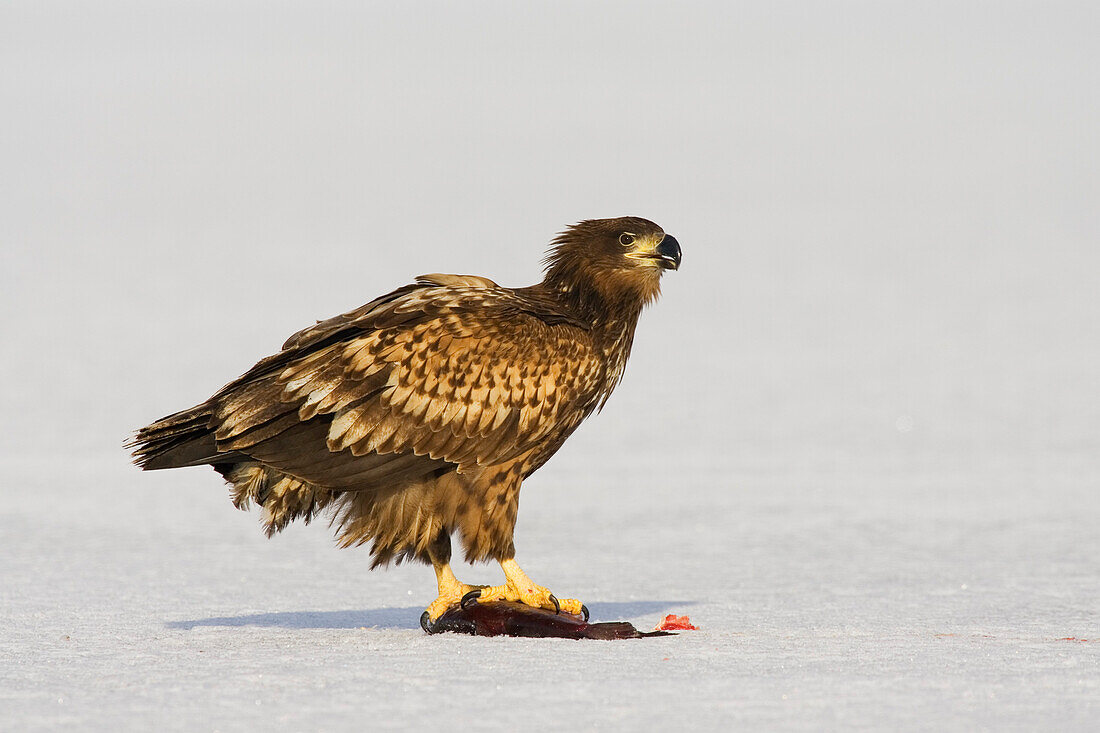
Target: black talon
column 470, row 598
column 424, row 621
column 584, row 612
column 557, row 606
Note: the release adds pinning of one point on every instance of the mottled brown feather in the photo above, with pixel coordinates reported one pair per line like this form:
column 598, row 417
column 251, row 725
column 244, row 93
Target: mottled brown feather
column 420, row 413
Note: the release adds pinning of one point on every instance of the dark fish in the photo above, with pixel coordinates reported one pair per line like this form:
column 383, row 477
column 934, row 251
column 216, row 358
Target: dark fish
column 498, row 618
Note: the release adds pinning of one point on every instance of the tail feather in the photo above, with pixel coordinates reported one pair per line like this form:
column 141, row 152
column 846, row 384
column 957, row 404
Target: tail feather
column 182, row 439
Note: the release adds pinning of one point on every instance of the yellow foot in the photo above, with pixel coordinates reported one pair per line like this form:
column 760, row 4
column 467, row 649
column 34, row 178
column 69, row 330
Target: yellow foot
column 519, row 588
column 451, row 593
column 445, row 602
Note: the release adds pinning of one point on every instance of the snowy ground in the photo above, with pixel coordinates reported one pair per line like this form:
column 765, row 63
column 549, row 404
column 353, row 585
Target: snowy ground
column 858, row 441
column 923, row 611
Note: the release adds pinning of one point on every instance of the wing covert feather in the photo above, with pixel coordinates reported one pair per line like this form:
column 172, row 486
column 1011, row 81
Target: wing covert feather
column 474, row 390
column 459, row 370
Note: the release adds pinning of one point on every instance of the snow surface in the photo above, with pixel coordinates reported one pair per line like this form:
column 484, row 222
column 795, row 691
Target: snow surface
column 859, row 437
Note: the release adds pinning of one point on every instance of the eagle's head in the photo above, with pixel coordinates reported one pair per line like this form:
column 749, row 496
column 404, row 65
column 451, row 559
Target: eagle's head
column 618, row 259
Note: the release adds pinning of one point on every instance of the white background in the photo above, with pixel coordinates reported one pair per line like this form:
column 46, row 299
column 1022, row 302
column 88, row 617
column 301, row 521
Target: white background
column 859, row 437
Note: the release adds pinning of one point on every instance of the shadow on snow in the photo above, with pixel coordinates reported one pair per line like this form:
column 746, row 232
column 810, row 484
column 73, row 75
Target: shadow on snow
column 402, row 618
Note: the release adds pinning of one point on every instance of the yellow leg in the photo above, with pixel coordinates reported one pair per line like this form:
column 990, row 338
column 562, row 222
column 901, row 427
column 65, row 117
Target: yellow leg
column 518, row 587
column 451, row 591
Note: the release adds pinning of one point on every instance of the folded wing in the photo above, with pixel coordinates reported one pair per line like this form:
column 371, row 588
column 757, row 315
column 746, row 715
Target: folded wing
column 455, row 373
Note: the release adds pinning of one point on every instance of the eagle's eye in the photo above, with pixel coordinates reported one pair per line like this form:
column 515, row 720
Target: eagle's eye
column 626, row 239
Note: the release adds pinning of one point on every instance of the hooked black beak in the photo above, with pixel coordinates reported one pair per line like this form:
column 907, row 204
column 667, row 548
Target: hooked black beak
column 669, row 252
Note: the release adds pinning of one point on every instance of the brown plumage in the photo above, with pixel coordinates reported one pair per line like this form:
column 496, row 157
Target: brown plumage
column 419, row 414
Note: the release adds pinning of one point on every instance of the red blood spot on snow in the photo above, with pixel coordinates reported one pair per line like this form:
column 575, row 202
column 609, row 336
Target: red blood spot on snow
column 676, row 623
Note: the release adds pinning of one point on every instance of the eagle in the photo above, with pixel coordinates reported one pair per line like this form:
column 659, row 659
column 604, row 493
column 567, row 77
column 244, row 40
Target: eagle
column 419, row 415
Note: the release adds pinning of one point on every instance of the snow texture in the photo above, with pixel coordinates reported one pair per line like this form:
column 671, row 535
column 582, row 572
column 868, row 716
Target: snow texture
column 858, row 441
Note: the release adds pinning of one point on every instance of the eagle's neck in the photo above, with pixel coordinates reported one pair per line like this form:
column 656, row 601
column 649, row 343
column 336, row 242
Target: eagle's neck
column 616, row 338
column 612, row 315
